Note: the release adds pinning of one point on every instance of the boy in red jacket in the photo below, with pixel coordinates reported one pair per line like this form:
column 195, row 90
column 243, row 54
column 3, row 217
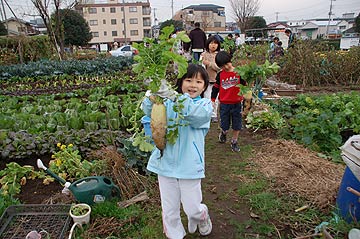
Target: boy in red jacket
column 230, row 100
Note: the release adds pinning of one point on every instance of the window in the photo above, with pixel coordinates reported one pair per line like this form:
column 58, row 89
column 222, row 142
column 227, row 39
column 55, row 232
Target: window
column 113, row 21
column 104, row 21
column 217, row 24
column 95, row 34
column 342, row 27
column 207, row 13
column 134, row 32
column 112, row 10
column 21, row 29
column 92, row 10
column 132, row 9
column 105, row 33
column 93, row 22
column 147, row 33
column 103, row 9
column 114, row 33
column 146, row 10
column 221, row 13
column 133, row 21
column 146, row 22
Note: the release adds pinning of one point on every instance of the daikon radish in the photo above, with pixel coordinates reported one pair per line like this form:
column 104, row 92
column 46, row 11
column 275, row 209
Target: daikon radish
column 158, row 125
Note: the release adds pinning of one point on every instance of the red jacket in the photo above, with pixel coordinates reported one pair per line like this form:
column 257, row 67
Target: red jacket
column 226, row 87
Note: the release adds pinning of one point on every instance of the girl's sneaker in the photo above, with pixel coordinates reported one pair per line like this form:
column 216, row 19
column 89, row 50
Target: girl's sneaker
column 205, row 225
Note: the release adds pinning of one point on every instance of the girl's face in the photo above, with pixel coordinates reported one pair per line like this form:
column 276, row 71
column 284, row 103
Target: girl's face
column 193, row 86
column 213, row 46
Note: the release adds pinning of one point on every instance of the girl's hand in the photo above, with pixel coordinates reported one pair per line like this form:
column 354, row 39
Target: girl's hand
column 206, row 63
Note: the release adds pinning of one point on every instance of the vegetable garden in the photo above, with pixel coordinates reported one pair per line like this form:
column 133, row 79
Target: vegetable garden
column 75, row 115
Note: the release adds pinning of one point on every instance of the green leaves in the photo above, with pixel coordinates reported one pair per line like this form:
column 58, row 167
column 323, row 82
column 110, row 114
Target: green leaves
column 155, row 58
column 318, row 121
column 255, row 75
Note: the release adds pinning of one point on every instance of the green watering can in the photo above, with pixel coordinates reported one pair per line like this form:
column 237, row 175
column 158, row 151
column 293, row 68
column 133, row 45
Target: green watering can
column 89, row 190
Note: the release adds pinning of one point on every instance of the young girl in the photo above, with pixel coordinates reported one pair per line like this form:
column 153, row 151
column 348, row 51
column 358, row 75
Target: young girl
column 182, row 165
column 208, row 59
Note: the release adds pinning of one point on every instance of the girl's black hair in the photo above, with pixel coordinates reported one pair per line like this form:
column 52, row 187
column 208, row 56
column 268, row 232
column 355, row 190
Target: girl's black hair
column 212, row 39
column 192, row 71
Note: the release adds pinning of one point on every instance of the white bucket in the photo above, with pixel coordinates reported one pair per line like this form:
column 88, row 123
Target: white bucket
column 82, row 219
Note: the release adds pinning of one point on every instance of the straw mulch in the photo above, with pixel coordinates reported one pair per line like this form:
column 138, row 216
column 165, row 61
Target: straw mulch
column 298, row 170
column 129, row 181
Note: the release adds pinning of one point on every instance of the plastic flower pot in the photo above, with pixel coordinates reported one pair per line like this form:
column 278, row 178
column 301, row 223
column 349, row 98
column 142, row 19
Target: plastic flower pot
column 80, row 213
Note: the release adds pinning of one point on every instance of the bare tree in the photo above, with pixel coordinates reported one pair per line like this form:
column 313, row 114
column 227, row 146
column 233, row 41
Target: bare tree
column 206, row 20
column 54, row 29
column 243, row 10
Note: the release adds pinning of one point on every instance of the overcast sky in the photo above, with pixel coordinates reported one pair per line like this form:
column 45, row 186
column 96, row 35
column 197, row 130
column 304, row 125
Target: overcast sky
column 287, row 9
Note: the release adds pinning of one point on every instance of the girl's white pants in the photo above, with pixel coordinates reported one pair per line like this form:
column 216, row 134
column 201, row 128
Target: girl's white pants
column 174, row 191
column 207, row 95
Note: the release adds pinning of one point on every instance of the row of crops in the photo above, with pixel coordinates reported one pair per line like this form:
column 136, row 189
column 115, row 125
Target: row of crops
column 87, row 110
column 92, row 105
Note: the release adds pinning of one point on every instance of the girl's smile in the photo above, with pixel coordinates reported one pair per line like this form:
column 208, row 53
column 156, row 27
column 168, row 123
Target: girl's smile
column 193, row 86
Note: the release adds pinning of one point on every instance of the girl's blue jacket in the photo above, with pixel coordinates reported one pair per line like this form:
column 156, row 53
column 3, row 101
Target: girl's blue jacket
column 185, row 158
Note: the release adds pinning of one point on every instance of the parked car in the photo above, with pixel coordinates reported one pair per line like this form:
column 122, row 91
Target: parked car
column 125, row 50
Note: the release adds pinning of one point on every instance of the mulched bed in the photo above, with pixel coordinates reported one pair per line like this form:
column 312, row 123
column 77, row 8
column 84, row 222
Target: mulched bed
column 299, row 170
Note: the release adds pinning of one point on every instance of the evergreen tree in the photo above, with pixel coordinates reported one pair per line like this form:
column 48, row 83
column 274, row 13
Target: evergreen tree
column 76, row 30
column 3, row 31
column 257, row 22
column 176, row 24
column 357, row 23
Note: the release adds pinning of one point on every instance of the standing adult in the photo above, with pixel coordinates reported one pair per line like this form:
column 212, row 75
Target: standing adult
column 198, row 40
column 291, row 36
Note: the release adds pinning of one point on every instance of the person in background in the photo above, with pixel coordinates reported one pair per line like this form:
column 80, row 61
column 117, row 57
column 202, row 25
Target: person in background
column 182, row 165
column 238, row 40
column 198, row 40
column 219, row 38
column 207, row 58
column 291, row 36
column 273, row 45
column 227, row 88
column 279, row 50
column 232, row 47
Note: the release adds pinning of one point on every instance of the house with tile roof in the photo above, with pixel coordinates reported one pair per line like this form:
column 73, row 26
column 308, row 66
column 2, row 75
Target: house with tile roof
column 211, row 17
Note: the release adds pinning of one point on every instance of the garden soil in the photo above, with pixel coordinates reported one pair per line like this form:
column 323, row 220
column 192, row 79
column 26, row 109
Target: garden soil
column 292, row 167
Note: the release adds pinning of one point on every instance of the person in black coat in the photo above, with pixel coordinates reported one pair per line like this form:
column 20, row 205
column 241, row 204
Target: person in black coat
column 198, row 40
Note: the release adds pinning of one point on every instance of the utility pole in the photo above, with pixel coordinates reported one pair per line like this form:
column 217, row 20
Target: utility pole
column 172, row 8
column 124, row 22
column 330, row 13
column 155, row 20
column 3, row 9
column 277, row 16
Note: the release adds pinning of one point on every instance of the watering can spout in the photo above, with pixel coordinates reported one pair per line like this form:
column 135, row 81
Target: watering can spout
column 40, row 164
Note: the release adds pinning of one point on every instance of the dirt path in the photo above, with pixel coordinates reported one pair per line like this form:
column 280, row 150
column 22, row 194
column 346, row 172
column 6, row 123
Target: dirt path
column 227, row 209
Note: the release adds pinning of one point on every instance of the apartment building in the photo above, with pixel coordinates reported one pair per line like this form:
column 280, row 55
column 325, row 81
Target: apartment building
column 122, row 21
column 211, row 17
